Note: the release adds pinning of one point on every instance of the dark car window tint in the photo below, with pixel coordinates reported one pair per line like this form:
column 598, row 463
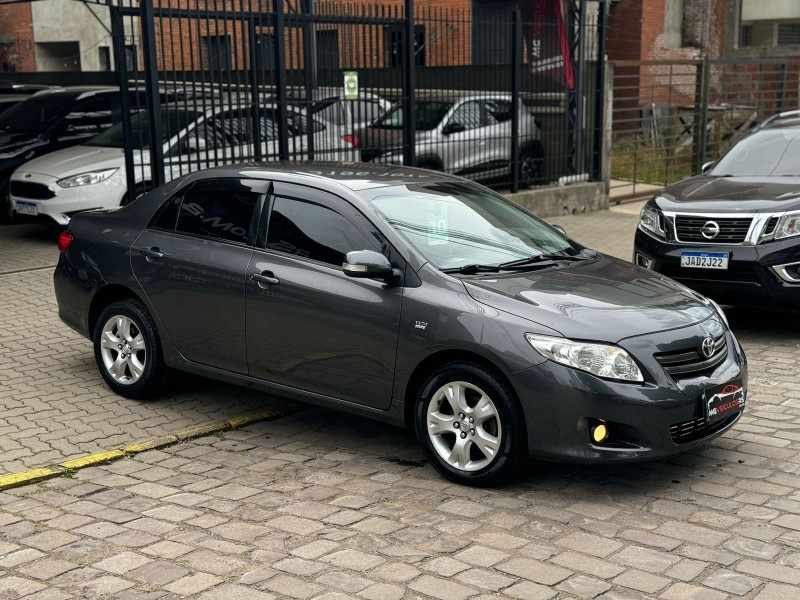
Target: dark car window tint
column 221, row 210
column 468, row 115
column 92, row 115
column 498, row 111
column 313, row 231
column 167, row 215
column 36, row 113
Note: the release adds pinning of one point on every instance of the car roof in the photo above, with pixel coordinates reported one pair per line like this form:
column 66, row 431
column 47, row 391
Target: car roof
column 352, row 176
column 78, row 91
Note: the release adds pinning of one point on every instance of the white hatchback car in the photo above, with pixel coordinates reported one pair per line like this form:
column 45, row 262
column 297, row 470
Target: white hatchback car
column 51, row 188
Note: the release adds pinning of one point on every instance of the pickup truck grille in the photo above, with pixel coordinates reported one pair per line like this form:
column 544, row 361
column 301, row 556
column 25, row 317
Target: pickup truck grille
column 732, row 230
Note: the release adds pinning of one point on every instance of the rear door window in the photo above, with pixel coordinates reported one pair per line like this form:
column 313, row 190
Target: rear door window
column 218, row 209
column 90, row 116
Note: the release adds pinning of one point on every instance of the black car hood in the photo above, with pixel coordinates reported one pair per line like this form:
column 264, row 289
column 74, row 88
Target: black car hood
column 604, row 300
column 735, row 194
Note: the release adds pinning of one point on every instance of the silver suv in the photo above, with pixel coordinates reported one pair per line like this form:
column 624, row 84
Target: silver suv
column 465, row 135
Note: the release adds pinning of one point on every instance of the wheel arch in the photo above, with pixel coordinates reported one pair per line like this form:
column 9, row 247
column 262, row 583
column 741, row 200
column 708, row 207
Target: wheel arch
column 432, row 362
column 535, row 147
column 111, row 292
column 435, row 162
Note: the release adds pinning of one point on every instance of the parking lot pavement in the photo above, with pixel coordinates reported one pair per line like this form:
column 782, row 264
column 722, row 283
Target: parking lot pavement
column 325, row 505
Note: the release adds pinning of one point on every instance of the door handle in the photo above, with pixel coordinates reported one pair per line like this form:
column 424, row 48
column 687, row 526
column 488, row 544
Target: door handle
column 151, row 253
column 264, row 278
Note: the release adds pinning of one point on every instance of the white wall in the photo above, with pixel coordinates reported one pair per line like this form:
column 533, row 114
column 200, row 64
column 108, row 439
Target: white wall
column 770, row 10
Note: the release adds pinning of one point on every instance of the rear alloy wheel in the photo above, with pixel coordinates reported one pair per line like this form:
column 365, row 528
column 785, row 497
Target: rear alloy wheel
column 470, row 423
column 127, row 350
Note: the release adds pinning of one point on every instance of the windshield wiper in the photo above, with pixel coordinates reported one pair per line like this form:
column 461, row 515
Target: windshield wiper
column 473, row 269
column 538, row 258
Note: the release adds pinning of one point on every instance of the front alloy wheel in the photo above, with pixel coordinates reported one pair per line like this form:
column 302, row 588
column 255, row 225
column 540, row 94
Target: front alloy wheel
column 470, row 423
column 463, row 426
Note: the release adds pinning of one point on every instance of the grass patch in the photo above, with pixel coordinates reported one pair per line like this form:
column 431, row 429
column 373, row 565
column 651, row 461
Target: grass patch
column 644, row 162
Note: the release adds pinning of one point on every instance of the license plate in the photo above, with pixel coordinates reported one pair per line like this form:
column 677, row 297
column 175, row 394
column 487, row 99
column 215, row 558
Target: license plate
column 27, row 208
column 723, row 401
column 704, row 260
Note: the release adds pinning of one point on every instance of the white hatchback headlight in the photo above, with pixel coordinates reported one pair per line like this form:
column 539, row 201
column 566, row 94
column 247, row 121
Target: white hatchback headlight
column 611, row 362
column 788, row 226
column 86, row 178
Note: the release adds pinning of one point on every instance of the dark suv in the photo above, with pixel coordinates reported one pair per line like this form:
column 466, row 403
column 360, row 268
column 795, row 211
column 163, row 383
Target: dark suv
column 54, row 119
column 732, row 233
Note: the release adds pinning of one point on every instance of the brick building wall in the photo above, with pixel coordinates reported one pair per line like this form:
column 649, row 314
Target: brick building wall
column 16, row 38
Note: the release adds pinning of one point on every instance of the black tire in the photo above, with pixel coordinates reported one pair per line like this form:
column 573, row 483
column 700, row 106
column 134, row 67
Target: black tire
column 154, row 374
column 507, row 427
column 530, row 168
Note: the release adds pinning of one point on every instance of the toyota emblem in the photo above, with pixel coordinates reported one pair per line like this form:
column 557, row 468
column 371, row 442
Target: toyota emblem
column 710, row 230
column 708, row 347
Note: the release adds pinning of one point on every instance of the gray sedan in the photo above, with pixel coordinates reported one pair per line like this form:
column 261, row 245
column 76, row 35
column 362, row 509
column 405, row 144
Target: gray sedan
column 412, row 297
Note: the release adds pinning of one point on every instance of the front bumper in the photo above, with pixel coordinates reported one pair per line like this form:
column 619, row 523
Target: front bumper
column 647, row 421
column 749, row 279
column 65, row 201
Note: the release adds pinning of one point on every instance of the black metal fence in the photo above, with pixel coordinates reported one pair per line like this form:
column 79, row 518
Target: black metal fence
column 670, row 117
column 259, row 80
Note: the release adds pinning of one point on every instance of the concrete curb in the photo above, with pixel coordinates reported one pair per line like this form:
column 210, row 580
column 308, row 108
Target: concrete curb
column 68, row 467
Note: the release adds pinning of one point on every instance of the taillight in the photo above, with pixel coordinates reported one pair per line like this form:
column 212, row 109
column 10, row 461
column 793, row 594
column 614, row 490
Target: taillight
column 64, row 240
column 351, row 138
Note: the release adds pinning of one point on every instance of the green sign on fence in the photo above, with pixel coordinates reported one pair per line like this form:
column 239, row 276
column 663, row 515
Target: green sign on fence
column 351, row 85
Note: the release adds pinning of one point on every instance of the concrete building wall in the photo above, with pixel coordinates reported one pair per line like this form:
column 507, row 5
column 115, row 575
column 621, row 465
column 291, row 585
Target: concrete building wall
column 59, row 21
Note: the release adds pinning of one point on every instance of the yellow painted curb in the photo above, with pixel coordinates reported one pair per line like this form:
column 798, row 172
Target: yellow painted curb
column 34, row 475
column 91, row 459
column 26, row 477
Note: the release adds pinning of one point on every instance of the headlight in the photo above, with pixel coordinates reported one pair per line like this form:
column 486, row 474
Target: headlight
column 788, row 226
column 652, row 220
column 611, row 362
column 86, row 178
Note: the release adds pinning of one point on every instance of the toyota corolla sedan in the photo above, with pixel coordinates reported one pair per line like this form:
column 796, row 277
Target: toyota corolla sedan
column 412, row 297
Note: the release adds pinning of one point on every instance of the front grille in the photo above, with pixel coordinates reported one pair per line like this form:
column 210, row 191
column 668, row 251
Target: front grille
column 697, row 429
column 734, row 272
column 731, row 230
column 34, row 191
column 690, row 362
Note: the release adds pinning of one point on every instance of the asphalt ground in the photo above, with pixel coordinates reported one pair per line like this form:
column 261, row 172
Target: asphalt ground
column 319, row 504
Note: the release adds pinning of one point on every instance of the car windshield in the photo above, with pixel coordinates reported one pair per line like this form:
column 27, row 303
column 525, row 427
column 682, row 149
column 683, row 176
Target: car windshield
column 766, row 153
column 35, row 114
column 173, row 120
column 454, row 225
column 429, row 115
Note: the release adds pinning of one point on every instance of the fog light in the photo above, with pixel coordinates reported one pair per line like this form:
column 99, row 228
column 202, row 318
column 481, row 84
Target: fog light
column 599, row 434
column 643, row 261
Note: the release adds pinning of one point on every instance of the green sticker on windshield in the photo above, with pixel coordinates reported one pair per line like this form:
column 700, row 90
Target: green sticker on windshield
column 437, row 224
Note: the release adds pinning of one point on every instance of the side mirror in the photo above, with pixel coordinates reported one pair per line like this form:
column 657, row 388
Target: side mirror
column 453, row 128
column 367, row 264
column 706, row 167
column 560, row 230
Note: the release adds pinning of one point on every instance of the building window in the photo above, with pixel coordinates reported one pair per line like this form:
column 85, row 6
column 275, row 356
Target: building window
column 746, row 37
column 788, row 34
column 131, row 60
column 395, row 45
column 217, row 52
column 103, row 58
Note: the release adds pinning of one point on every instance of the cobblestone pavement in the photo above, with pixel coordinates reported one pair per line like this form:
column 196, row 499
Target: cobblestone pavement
column 325, row 505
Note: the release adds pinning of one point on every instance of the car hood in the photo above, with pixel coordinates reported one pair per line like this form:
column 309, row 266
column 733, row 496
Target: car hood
column 13, row 144
column 603, row 300
column 731, row 194
column 76, row 160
